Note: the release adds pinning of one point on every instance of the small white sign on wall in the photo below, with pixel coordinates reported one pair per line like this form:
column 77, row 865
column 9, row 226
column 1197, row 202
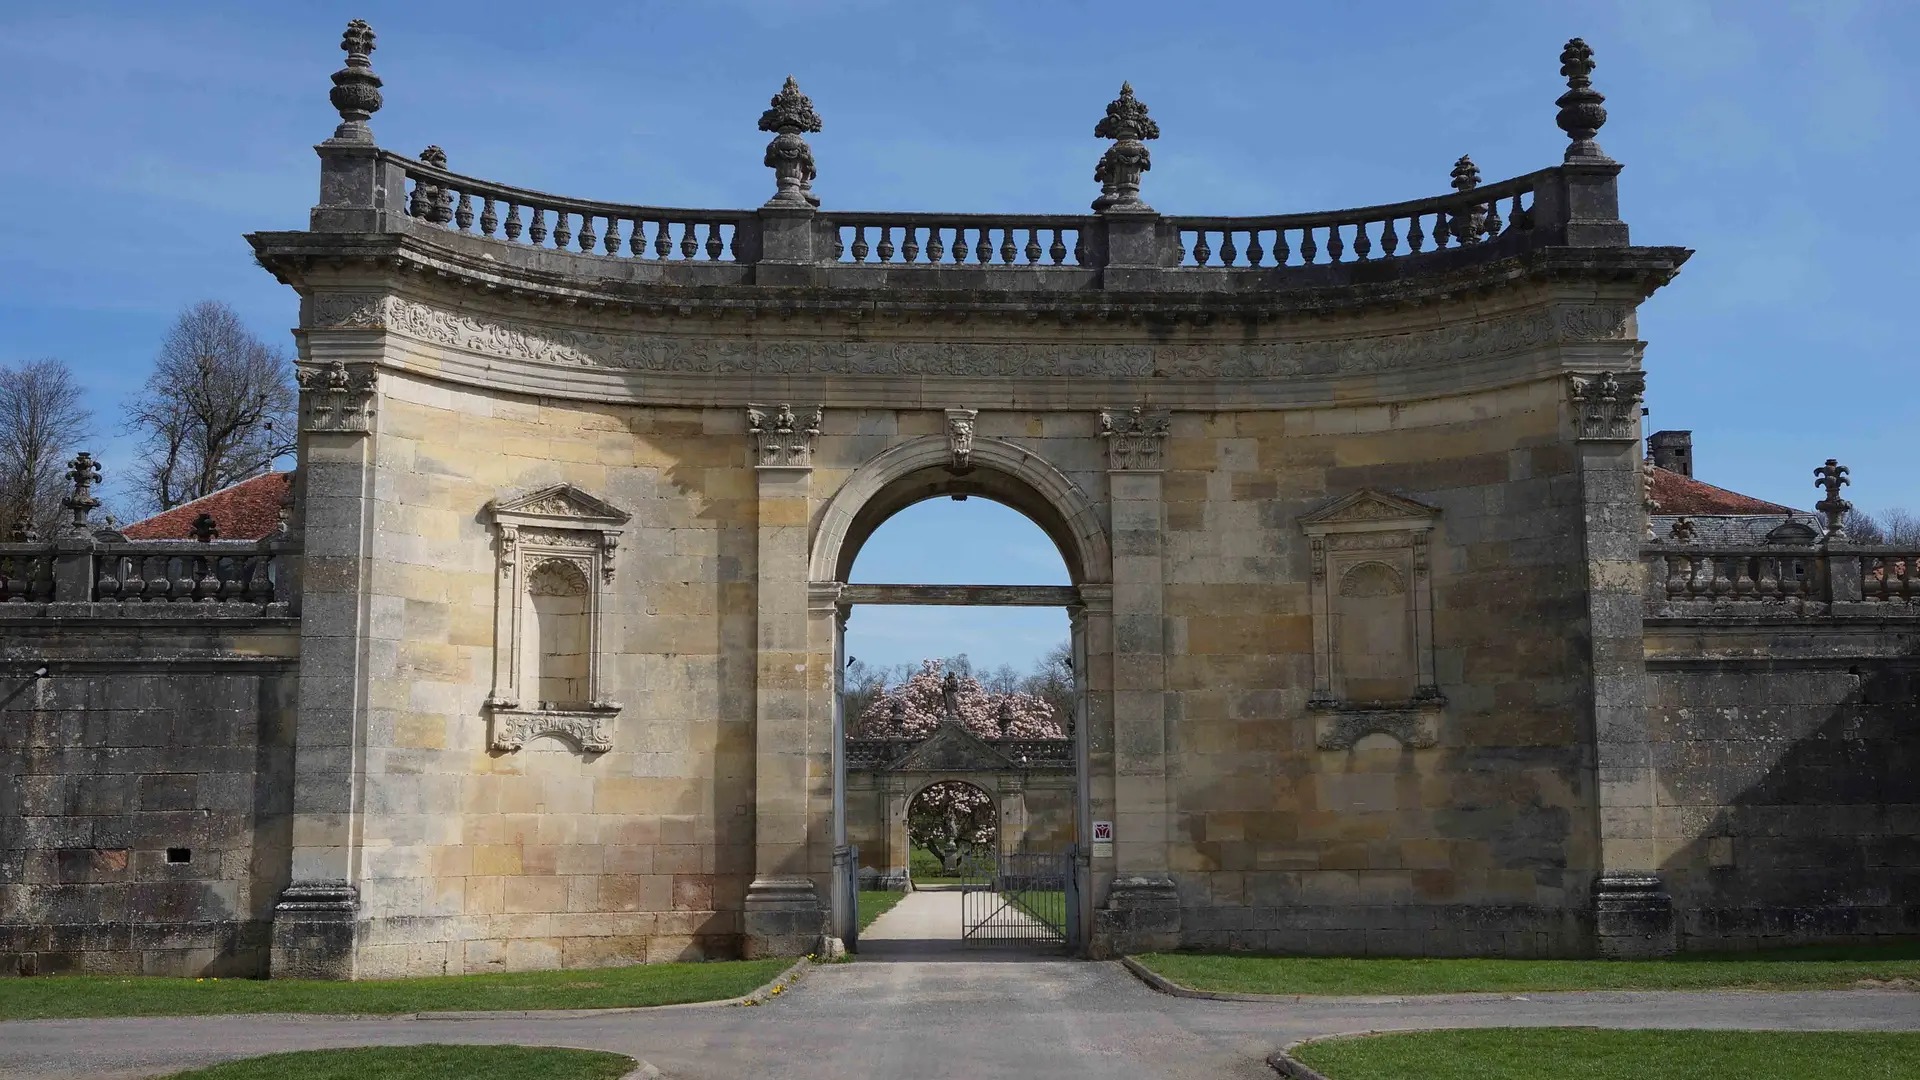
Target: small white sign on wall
column 1103, row 839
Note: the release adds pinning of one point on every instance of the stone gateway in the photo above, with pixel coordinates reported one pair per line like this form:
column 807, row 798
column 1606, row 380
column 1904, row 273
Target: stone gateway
column 1375, row 650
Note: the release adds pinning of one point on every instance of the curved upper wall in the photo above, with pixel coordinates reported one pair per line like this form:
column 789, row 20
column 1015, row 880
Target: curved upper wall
column 484, row 283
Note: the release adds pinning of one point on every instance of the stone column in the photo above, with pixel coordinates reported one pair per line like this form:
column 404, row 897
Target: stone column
column 784, row 915
column 893, row 795
column 1012, row 797
column 1142, row 911
column 315, row 922
column 1633, row 913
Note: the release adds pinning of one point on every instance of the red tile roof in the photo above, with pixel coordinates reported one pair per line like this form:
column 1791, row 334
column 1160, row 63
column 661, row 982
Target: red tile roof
column 249, row 510
column 1676, row 494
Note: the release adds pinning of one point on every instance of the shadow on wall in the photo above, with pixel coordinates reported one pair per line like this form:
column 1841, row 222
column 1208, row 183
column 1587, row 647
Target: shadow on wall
column 1799, row 784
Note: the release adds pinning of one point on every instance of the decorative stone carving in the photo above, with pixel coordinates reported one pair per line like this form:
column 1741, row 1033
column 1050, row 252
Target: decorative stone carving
column 1581, row 112
column 1681, row 532
column 788, row 155
column 336, row 398
column 431, row 202
column 1372, row 596
column 514, row 339
column 1468, row 227
column 557, row 541
column 1119, row 169
column 960, row 424
column 356, row 89
column 1136, row 438
column 1649, row 506
column 1341, row 730
column 1832, row 477
column 1606, row 405
column 513, row 730
column 781, row 439
column 84, row 472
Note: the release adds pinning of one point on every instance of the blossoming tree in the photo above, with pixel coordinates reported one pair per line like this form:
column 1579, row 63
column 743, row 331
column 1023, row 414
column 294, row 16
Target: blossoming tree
column 912, row 709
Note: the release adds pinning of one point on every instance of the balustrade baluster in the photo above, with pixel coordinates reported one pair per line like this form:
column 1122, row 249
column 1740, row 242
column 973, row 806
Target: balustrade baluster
column 688, row 248
column 107, row 586
column 562, row 229
column 537, row 233
column 1056, row 249
column 1700, row 583
column 489, row 221
column 1522, row 217
column 886, row 243
column 1722, row 577
column 232, row 581
column 259, row 579
column 419, row 201
column 1202, row 251
column 910, row 244
column 1079, row 247
column 588, row 238
column 1229, row 255
column 637, row 241
column 1336, row 244
column 936, row 247
column 1180, row 247
column 1389, row 240
column 1679, row 571
column 1033, row 247
column 1282, row 254
column 1308, row 247
column 463, row 213
column 860, row 248
column 663, row 240
column 1362, row 243
column 1256, row 254
column 206, row 586
column 513, row 221
column 1742, row 579
column 1768, row 586
column 982, row 247
column 1416, row 239
column 183, row 580
column 132, row 587
column 1007, row 250
column 40, row 579
column 1493, row 223
column 716, row 247
column 611, row 245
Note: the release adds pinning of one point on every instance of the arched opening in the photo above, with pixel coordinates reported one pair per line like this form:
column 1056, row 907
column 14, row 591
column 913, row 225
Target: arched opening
column 950, row 823
column 961, row 698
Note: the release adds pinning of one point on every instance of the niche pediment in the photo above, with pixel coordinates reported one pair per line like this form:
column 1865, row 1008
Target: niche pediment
column 1368, row 509
column 952, row 748
column 561, row 504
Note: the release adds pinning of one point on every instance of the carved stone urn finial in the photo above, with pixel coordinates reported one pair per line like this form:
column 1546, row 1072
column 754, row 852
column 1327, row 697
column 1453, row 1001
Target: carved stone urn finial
column 431, row 202
column 84, row 471
column 1581, row 111
column 1832, row 476
column 788, row 155
column 1128, row 124
column 356, row 89
column 1467, row 227
column 204, row 528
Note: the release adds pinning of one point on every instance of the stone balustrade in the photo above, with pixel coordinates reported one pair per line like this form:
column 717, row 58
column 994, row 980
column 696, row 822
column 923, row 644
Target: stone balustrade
column 106, row 577
column 1024, row 241
column 1685, row 579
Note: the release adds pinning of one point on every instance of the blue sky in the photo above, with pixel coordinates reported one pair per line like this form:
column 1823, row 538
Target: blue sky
column 145, row 138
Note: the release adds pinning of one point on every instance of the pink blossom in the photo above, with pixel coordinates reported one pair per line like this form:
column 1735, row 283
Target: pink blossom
column 914, row 708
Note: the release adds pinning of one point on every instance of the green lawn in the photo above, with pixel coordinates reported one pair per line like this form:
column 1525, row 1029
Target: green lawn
column 874, row 904
column 1782, row 969
column 1589, row 1054
column 424, row 1063
column 594, row 988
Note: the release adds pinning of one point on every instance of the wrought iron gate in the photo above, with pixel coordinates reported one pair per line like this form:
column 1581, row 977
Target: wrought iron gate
column 1021, row 896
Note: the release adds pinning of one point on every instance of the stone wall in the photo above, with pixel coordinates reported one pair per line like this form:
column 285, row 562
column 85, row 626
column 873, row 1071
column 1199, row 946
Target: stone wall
column 1468, row 829
column 1787, row 771
column 144, row 809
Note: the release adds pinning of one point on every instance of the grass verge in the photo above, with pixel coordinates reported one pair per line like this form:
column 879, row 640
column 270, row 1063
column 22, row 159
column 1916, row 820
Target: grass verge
column 431, row 1062
column 1590, row 1054
column 874, row 904
column 1813, row 968
column 594, row 988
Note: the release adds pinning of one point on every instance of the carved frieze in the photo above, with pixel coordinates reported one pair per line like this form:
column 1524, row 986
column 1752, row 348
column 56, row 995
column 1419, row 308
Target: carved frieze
column 1413, row 728
column 1136, row 438
column 336, row 397
column 690, row 354
column 1606, row 405
column 513, row 729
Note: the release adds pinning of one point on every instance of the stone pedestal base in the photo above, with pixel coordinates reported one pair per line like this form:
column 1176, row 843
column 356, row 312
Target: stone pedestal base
column 1633, row 916
column 784, row 917
column 313, row 931
column 1142, row 915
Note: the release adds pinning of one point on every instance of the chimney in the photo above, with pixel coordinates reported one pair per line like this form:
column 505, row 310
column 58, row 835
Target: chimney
column 1672, row 451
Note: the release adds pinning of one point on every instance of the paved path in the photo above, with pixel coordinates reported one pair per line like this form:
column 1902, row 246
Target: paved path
column 925, row 926
column 957, row 1017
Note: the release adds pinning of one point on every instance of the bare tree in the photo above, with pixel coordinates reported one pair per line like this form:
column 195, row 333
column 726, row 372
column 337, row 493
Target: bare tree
column 41, row 425
column 1891, row 526
column 217, row 409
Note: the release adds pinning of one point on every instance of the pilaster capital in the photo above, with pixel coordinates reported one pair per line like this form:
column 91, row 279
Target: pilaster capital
column 1136, row 438
column 823, row 596
column 781, row 438
column 1095, row 599
column 1606, row 405
column 337, row 397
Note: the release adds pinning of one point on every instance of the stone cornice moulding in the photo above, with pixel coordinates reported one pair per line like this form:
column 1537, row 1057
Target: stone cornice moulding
column 721, row 368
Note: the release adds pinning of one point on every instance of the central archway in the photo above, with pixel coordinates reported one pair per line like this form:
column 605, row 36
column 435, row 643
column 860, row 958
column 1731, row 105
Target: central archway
column 1009, row 474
